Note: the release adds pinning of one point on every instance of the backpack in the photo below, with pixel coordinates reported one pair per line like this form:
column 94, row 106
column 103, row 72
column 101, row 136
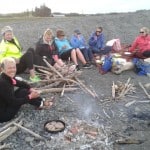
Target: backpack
column 107, row 64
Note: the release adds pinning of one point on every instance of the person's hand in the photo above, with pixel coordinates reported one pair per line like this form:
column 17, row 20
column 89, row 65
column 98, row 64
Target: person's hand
column 34, row 93
column 64, row 47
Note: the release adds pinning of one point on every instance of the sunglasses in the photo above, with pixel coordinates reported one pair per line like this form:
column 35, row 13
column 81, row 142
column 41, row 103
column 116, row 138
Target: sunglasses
column 141, row 32
column 98, row 31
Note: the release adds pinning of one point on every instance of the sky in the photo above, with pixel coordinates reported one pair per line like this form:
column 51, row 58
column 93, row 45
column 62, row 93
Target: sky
column 75, row 6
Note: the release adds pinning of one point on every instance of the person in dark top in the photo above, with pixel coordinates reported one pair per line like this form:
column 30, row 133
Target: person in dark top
column 14, row 93
column 45, row 47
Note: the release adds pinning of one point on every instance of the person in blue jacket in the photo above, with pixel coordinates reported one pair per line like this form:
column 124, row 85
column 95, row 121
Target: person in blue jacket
column 97, row 42
column 78, row 41
column 66, row 51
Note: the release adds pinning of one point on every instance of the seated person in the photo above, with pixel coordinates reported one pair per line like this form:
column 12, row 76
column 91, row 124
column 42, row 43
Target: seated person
column 10, row 99
column 97, row 42
column 10, row 47
column 66, row 51
column 47, row 47
column 141, row 45
column 78, row 41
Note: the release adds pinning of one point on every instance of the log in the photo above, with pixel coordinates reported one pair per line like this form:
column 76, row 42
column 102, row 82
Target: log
column 5, row 146
column 10, row 123
column 128, row 141
column 29, row 131
column 57, row 90
column 9, row 131
column 84, row 87
column 52, row 68
column 62, row 93
column 113, row 91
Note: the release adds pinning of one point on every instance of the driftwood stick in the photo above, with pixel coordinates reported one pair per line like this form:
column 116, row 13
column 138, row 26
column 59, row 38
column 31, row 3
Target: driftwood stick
column 62, row 93
column 52, row 68
column 9, row 131
column 86, row 88
column 10, row 123
column 145, row 91
column 113, row 91
column 5, row 146
column 123, row 92
column 53, row 90
column 29, row 131
column 46, row 72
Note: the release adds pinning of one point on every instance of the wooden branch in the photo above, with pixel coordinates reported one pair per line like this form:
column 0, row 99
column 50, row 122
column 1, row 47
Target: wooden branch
column 10, row 123
column 123, row 92
column 9, row 131
column 29, row 131
column 113, row 91
column 5, row 146
column 53, row 90
column 86, row 88
column 62, row 93
column 52, row 68
column 145, row 91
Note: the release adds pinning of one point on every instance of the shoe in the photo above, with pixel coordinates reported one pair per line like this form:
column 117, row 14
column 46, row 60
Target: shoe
column 35, row 79
column 77, row 67
column 87, row 65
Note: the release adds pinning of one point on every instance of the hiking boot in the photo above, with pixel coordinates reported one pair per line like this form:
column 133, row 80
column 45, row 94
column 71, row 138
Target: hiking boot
column 87, row 65
column 35, row 79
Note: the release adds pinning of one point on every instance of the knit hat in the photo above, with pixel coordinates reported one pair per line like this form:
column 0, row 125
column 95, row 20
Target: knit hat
column 5, row 29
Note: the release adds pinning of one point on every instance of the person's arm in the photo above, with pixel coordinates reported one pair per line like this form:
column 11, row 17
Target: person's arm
column 101, row 42
column 92, row 40
column 8, row 95
column 3, row 50
column 22, row 84
column 134, row 45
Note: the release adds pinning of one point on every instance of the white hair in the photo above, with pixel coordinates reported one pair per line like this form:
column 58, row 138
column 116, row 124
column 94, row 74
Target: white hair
column 7, row 60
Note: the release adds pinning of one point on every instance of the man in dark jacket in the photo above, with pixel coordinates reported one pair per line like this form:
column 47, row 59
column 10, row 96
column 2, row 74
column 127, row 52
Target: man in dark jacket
column 10, row 99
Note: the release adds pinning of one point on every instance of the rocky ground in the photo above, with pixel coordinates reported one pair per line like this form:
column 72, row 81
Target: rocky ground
column 91, row 123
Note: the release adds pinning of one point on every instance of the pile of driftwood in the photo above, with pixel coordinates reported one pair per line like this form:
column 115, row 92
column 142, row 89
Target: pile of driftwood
column 119, row 90
column 60, row 81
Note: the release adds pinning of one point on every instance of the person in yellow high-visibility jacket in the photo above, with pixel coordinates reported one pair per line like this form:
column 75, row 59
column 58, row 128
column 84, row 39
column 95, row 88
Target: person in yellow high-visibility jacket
column 10, row 47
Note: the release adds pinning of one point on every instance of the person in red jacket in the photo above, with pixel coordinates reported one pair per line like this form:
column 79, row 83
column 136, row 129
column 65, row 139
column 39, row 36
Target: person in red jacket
column 11, row 99
column 141, row 45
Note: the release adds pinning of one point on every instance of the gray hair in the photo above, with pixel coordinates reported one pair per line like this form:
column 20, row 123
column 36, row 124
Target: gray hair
column 6, row 61
column 5, row 29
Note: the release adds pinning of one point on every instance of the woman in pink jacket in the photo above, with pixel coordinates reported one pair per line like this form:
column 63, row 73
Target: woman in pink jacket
column 141, row 45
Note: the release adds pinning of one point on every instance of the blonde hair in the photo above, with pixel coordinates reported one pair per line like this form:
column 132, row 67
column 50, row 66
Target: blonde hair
column 145, row 29
column 7, row 60
column 48, row 32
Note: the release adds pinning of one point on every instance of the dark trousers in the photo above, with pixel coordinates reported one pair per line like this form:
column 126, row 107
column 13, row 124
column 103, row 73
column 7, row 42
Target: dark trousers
column 11, row 111
column 87, row 53
column 26, row 61
column 142, row 55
